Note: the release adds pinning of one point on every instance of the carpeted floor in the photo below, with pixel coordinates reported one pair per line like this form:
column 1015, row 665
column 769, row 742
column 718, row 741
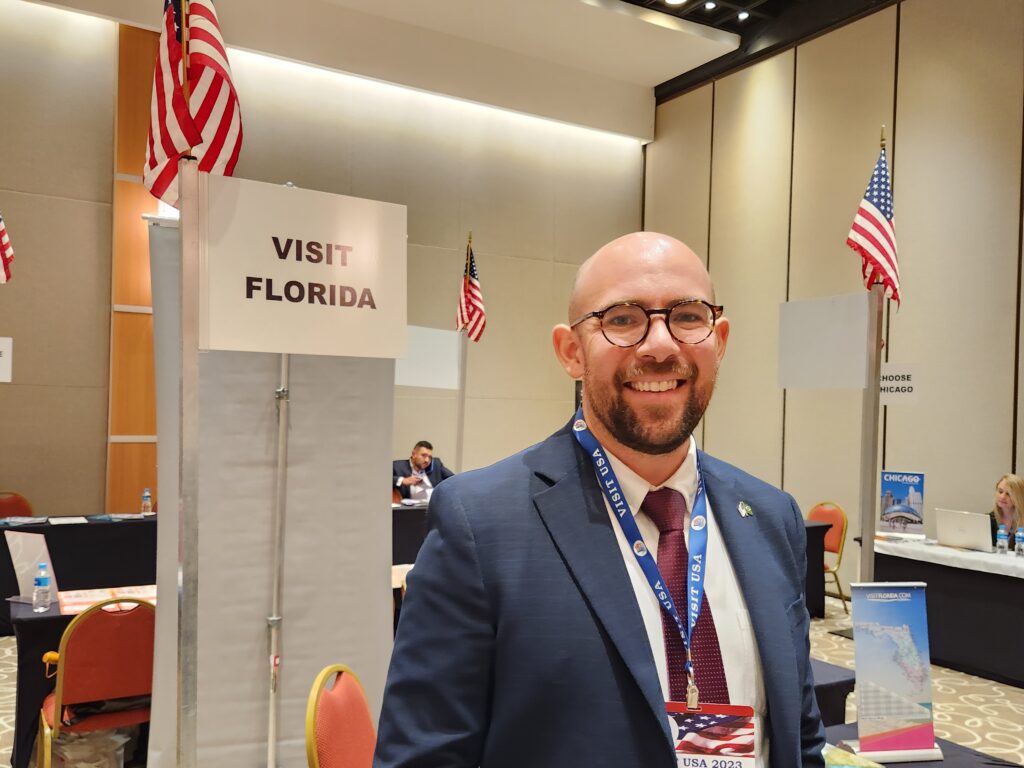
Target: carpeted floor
column 971, row 711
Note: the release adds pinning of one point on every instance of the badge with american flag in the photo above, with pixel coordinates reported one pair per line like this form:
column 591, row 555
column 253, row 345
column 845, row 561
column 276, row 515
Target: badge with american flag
column 722, row 731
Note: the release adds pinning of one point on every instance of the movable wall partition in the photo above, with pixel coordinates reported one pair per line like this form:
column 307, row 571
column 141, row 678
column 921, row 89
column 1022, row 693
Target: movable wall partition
column 762, row 171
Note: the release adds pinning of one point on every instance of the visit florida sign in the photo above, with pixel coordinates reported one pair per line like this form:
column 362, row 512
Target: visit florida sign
column 284, row 269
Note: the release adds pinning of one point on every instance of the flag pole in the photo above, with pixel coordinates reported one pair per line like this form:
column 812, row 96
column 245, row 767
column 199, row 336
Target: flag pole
column 870, row 409
column 460, row 417
column 184, row 52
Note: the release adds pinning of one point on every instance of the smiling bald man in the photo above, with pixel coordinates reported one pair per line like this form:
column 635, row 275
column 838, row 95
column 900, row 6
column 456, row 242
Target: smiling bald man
column 611, row 596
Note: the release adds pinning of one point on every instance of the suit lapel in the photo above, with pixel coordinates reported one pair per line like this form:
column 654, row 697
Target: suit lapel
column 574, row 513
column 744, row 542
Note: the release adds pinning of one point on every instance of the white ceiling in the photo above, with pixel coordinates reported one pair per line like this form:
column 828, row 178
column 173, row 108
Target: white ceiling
column 609, row 38
column 585, row 62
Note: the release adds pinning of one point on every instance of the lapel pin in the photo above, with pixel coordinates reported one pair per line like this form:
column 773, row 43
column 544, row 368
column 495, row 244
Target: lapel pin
column 744, row 509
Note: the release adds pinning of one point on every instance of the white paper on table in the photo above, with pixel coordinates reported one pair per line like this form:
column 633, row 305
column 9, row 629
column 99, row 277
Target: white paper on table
column 67, row 520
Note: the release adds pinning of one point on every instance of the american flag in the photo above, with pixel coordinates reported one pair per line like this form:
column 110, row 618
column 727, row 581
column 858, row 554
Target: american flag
column 471, row 315
column 711, row 734
column 873, row 234
column 6, row 253
column 210, row 124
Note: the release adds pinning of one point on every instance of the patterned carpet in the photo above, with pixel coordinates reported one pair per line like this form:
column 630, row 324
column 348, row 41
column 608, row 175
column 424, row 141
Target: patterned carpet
column 971, row 711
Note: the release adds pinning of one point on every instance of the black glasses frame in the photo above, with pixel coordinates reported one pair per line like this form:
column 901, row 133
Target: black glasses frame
column 716, row 313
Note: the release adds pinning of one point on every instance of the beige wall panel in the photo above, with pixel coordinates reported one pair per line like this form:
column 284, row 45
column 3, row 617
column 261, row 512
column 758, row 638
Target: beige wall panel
column 506, row 187
column 426, row 414
column 513, row 359
column 57, row 305
column 521, row 423
column 957, row 194
column 677, row 191
column 298, row 124
column 390, row 160
column 834, row 150
column 132, row 376
column 131, row 468
column 597, row 185
column 58, row 101
column 53, row 444
column 136, row 52
column 131, row 244
column 434, row 278
column 749, row 240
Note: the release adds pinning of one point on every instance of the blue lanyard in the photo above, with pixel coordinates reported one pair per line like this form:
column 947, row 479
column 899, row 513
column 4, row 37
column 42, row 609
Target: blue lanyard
column 697, row 545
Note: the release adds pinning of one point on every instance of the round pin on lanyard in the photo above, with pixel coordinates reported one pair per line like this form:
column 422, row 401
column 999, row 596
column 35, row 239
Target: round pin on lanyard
column 697, row 565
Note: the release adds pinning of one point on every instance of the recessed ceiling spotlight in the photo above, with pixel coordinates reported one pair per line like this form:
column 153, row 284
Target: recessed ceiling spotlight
column 674, row 2
column 743, row 15
column 710, row 5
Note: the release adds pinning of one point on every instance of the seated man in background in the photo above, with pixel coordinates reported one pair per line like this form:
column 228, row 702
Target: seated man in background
column 417, row 476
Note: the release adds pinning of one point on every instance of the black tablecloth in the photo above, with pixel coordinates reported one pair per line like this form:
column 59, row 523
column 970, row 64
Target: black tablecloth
column 969, row 613
column 409, row 526
column 36, row 634
column 832, row 684
column 814, row 582
column 87, row 556
column 955, row 755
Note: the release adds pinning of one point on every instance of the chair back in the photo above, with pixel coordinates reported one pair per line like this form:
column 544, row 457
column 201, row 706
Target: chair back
column 835, row 538
column 107, row 653
column 14, row 505
column 339, row 729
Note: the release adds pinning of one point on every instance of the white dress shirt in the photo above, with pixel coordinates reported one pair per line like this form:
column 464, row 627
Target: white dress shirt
column 732, row 620
column 421, row 491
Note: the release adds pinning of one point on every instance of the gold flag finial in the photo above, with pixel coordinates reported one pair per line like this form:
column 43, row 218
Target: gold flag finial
column 471, row 237
column 882, row 140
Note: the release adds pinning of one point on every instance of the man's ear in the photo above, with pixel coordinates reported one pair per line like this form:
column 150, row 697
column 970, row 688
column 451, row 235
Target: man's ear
column 568, row 350
column 721, row 336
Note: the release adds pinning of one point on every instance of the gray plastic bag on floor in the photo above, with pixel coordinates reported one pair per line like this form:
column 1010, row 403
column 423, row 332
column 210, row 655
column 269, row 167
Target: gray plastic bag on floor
column 95, row 749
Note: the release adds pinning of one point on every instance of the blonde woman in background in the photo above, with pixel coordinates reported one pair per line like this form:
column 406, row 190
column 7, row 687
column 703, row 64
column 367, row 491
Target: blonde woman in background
column 1009, row 505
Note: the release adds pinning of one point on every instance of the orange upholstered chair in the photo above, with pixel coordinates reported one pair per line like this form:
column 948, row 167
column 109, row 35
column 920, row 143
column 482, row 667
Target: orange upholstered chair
column 14, row 505
column 827, row 512
column 105, row 654
column 339, row 729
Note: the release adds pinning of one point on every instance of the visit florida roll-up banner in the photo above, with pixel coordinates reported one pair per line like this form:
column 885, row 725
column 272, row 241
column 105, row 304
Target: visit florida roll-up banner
column 893, row 669
column 294, row 270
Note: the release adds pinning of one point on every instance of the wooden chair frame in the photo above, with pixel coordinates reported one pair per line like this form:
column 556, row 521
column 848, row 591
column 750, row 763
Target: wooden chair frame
column 319, row 684
column 44, row 741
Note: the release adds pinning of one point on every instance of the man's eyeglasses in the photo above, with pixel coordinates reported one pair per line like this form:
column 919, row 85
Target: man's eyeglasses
column 690, row 321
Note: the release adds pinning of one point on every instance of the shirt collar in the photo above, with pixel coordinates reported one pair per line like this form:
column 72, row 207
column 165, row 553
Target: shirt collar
column 635, row 488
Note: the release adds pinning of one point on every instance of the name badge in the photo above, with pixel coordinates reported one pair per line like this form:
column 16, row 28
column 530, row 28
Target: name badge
column 713, row 736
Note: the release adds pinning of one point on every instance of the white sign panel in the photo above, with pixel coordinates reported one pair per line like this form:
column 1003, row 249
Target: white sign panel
column 293, row 270
column 823, row 343
column 6, row 354
column 899, row 384
column 431, row 359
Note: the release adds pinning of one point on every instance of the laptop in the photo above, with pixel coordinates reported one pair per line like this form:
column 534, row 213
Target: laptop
column 966, row 530
column 27, row 551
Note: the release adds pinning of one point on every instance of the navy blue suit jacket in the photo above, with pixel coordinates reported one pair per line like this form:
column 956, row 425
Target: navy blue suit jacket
column 521, row 644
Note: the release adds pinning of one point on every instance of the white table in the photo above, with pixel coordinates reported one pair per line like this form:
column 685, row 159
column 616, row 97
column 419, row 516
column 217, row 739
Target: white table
column 975, row 604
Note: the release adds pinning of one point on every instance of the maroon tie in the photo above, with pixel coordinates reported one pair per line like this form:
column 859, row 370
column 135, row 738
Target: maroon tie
column 667, row 508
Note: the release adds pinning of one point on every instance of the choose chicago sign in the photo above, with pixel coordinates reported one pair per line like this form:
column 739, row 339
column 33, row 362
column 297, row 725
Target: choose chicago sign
column 292, row 270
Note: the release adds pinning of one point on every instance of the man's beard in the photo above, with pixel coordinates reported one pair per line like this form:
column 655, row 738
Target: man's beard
column 663, row 433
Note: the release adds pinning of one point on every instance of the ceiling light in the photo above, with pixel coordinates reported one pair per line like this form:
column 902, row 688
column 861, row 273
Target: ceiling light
column 674, row 2
column 743, row 15
column 710, row 5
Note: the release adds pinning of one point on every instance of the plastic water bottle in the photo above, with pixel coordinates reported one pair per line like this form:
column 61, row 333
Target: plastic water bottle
column 1002, row 540
column 1019, row 542
column 41, row 592
column 147, row 501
